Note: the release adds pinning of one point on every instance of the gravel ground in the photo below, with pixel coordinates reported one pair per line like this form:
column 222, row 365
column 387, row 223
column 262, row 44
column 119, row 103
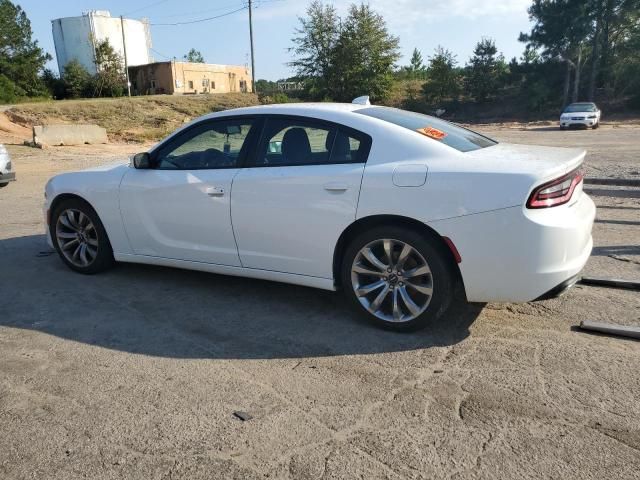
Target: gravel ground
column 136, row 373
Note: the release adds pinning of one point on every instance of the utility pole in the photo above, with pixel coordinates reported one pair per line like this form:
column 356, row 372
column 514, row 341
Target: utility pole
column 253, row 66
column 126, row 64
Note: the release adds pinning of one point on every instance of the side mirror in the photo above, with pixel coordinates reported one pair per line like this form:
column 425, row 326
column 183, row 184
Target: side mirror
column 142, row 160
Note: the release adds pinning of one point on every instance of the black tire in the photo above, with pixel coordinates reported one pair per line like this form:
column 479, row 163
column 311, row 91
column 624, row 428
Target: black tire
column 443, row 276
column 103, row 260
column 597, row 124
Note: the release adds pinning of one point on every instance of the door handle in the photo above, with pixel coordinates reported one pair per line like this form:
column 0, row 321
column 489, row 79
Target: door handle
column 336, row 187
column 215, row 192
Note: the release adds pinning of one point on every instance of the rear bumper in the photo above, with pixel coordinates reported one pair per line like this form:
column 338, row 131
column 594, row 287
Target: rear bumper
column 517, row 254
column 559, row 290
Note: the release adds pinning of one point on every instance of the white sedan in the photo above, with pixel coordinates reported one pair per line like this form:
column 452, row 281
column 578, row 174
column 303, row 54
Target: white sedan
column 581, row 114
column 395, row 208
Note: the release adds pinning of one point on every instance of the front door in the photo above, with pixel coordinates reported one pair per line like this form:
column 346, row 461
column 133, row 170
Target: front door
column 180, row 208
column 297, row 195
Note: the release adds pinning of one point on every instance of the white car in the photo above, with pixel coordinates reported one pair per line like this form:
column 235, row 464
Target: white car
column 393, row 207
column 583, row 114
column 6, row 170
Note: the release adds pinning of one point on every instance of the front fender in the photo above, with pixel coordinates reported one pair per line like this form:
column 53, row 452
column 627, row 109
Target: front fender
column 99, row 187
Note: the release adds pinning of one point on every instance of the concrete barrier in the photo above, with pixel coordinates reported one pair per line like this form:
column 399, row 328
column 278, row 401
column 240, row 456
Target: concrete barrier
column 54, row 135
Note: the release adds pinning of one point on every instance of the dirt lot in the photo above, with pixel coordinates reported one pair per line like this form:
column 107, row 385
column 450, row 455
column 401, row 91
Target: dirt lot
column 136, row 373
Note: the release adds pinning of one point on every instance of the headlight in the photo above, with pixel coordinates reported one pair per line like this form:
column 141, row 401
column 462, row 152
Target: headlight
column 591, row 116
column 9, row 165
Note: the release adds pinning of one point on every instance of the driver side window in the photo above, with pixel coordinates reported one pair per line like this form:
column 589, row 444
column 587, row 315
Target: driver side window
column 211, row 145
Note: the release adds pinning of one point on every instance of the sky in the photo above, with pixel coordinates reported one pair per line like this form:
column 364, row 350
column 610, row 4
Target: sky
column 455, row 24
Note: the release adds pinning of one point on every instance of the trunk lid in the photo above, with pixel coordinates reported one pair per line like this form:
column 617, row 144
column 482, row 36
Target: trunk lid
column 537, row 162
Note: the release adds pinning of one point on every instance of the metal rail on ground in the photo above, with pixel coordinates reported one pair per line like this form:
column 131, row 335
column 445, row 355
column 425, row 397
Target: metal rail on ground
column 610, row 282
column 616, row 182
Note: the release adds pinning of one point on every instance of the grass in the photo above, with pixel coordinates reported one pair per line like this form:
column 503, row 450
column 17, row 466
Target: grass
column 136, row 119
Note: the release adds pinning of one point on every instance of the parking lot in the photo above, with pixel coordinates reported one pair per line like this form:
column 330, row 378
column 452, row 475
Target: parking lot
column 137, row 373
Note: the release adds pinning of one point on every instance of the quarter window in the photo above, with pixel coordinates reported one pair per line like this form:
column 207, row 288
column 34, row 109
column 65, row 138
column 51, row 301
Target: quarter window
column 207, row 146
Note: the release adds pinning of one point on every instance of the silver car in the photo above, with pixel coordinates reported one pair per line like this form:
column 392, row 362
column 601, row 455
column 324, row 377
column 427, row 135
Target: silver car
column 582, row 114
column 6, row 172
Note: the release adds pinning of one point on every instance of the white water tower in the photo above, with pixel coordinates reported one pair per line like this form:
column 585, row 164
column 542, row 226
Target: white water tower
column 76, row 37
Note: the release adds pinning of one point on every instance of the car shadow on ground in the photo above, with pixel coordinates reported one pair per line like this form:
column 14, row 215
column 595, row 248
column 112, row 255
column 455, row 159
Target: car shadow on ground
column 184, row 314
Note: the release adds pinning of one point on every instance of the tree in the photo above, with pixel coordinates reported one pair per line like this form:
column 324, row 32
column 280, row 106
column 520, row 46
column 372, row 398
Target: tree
column 314, row 46
column 416, row 68
column 486, row 70
column 110, row 79
column 561, row 28
column 364, row 56
column 443, row 78
column 21, row 59
column 76, row 80
column 194, row 56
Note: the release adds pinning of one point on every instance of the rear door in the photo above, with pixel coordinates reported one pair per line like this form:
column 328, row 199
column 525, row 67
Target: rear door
column 297, row 194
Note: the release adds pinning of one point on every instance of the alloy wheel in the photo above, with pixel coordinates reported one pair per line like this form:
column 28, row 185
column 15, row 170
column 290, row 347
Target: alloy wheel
column 77, row 237
column 392, row 280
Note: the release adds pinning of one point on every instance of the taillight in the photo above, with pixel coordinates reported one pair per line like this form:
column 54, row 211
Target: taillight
column 556, row 192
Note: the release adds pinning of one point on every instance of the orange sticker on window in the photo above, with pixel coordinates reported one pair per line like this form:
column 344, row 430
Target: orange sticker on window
column 432, row 133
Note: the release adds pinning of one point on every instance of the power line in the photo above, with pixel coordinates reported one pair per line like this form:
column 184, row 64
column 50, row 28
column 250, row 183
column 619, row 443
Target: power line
column 161, row 54
column 144, row 8
column 197, row 21
column 200, row 12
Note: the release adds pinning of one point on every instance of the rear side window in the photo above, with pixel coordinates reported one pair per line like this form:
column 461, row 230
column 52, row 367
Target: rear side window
column 454, row 136
column 293, row 141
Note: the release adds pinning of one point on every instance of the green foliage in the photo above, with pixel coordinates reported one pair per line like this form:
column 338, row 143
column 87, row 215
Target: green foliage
column 76, row 80
column 416, row 70
column 194, row 56
column 486, row 71
column 110, row 81
column 601, row 35
column 363, row 57
column 276, row 97
column 343, row 59
column 21, row 59
column 9, row 92
column 443, row 78
column 314, row 47
column 266, row 86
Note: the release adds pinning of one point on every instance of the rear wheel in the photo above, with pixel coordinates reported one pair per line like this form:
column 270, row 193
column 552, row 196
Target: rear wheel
column 80, row 238
column 398, row 278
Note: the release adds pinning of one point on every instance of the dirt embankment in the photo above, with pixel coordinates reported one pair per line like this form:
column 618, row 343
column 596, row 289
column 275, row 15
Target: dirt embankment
column 137, row 119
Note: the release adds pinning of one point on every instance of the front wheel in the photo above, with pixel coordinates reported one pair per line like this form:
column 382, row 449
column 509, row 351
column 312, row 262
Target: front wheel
column 79, row 237
column 400, row 279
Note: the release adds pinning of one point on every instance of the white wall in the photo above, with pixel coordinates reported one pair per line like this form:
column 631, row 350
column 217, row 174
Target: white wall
column 71, row 36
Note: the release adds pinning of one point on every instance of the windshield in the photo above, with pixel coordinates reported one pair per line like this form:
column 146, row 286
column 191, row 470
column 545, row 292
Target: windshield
column 580, row 107
column 452, row 135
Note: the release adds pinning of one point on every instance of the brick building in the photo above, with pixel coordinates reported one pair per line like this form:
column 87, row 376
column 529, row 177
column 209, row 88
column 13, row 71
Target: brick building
column 184, row 78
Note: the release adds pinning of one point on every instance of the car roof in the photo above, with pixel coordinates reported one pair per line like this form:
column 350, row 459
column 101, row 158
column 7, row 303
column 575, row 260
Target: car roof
column 583, row 103
column 305, row 109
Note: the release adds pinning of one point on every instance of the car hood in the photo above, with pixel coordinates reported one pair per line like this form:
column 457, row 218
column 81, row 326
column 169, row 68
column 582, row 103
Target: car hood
column 108, row 167
column 536, row 162
column 572, row 114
